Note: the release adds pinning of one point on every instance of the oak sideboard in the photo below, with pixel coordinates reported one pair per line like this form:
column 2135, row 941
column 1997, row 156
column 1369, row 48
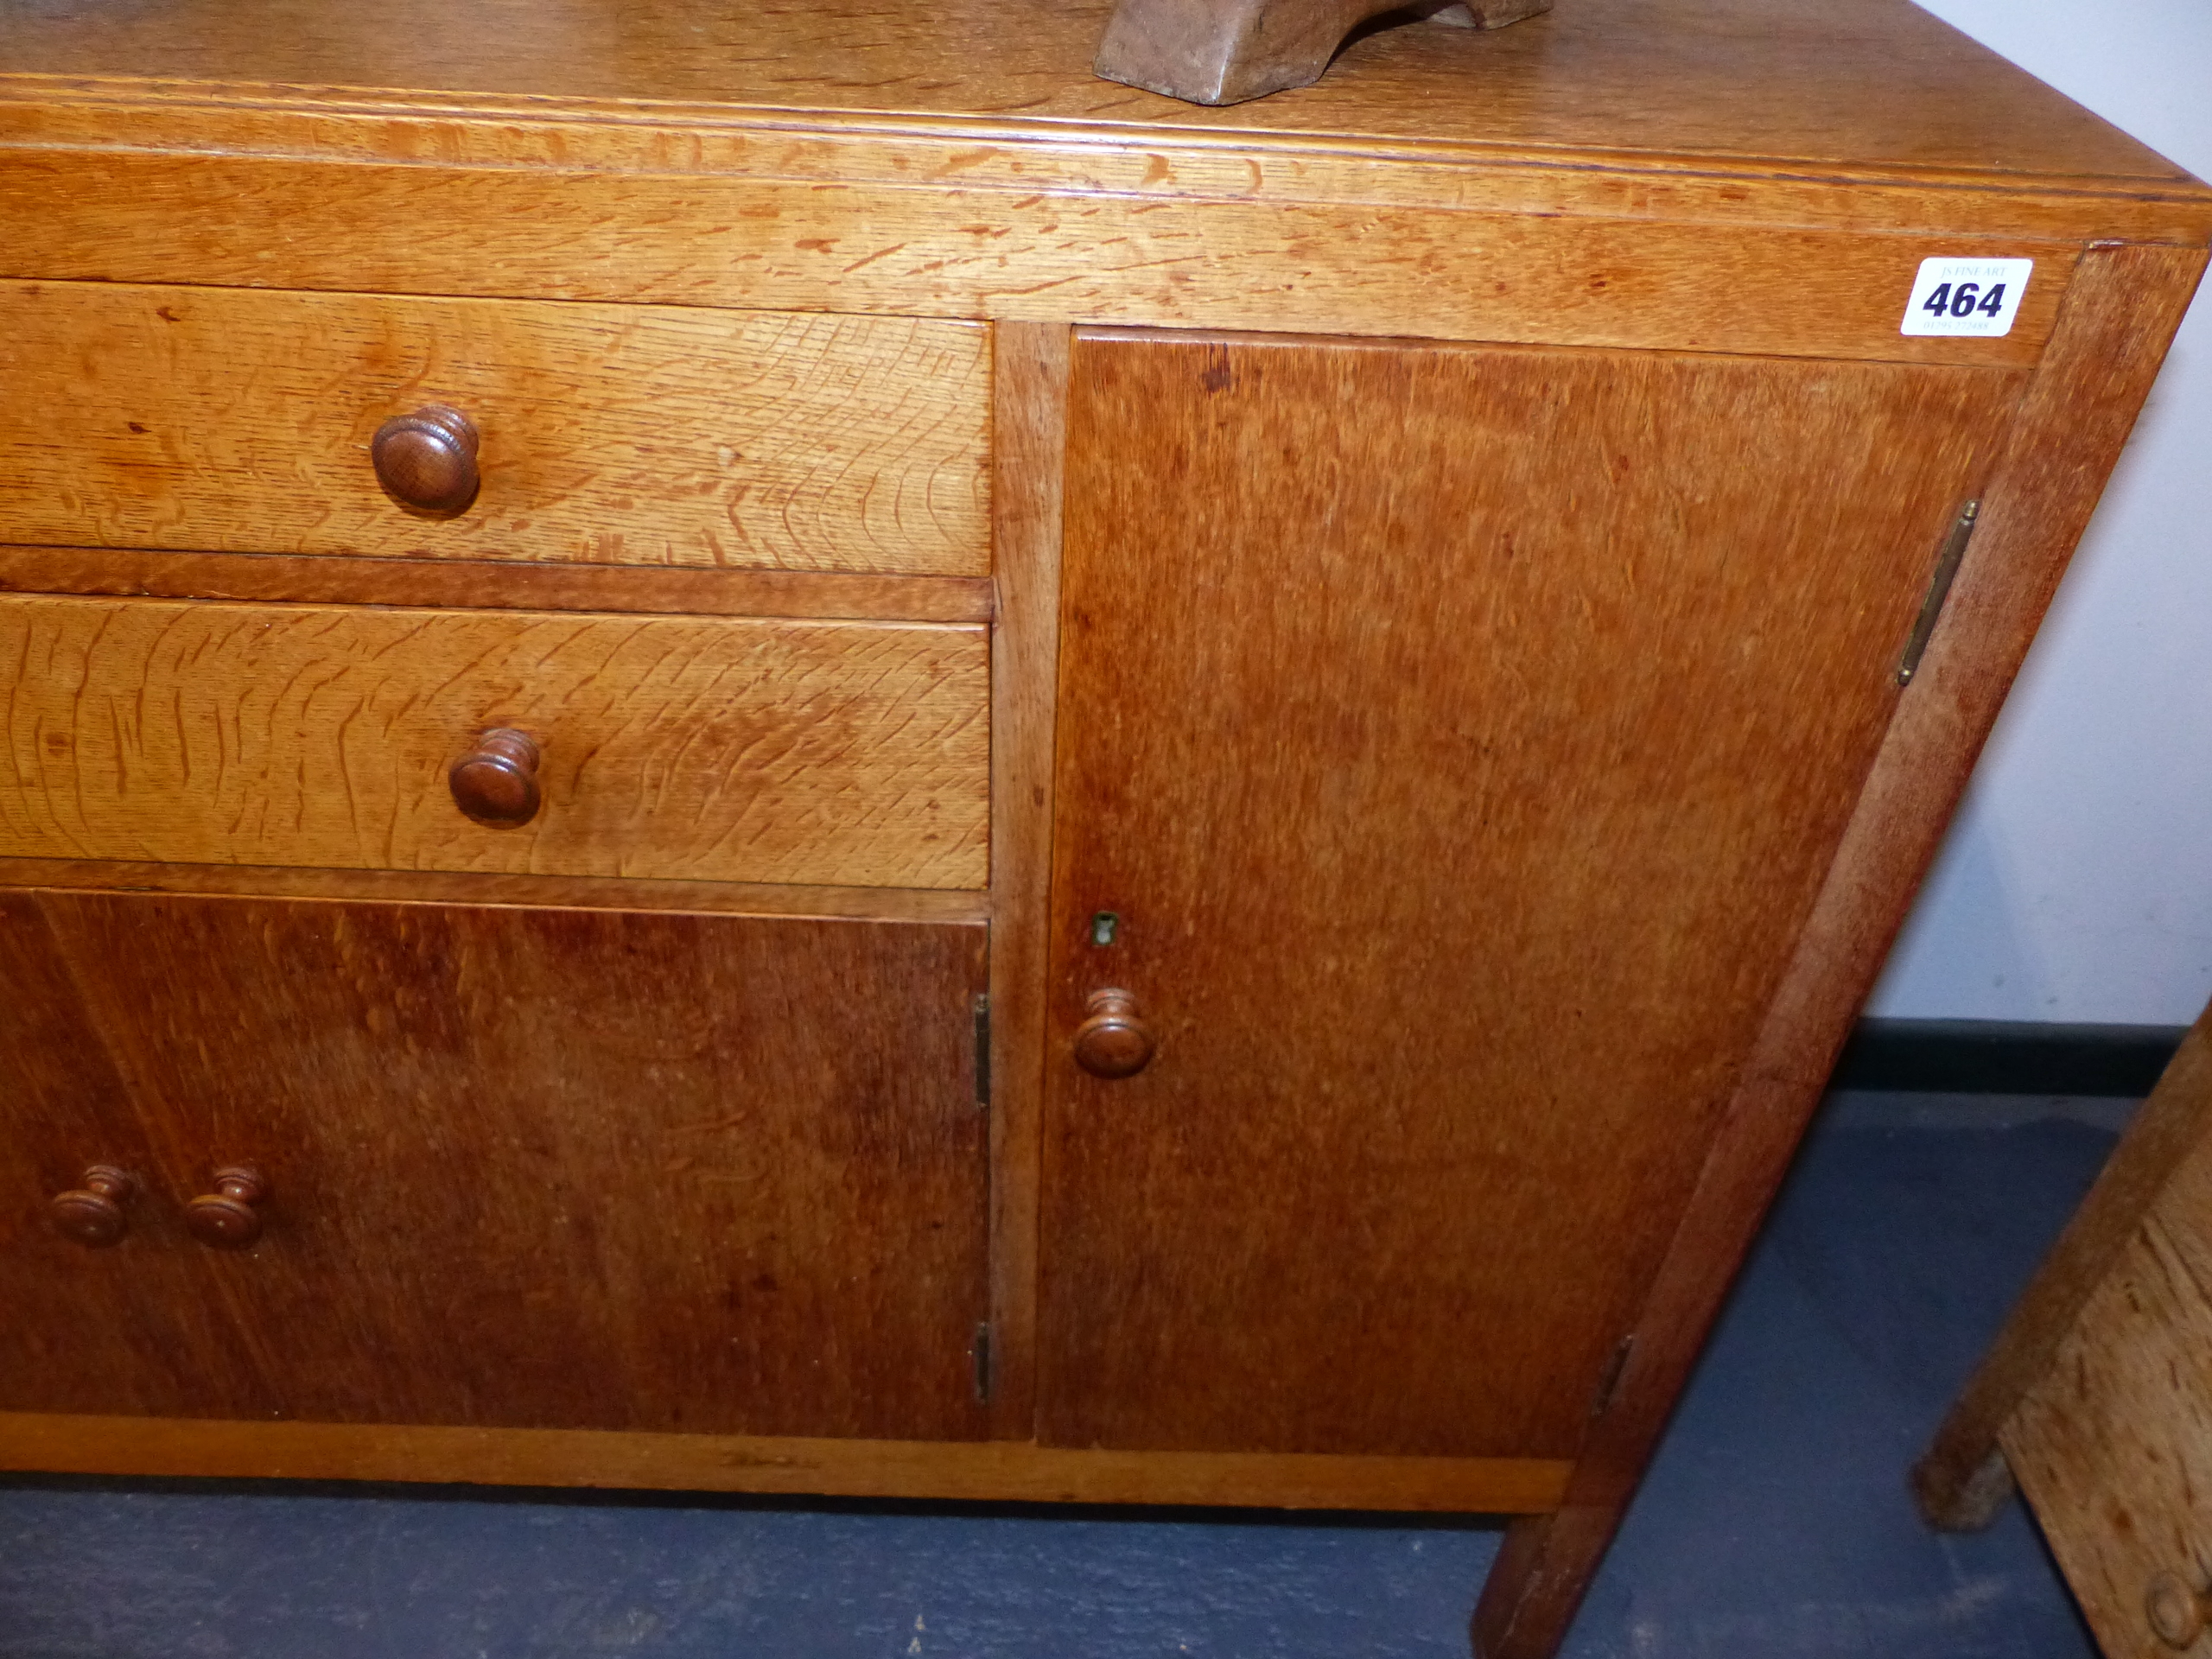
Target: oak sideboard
column 778, row 749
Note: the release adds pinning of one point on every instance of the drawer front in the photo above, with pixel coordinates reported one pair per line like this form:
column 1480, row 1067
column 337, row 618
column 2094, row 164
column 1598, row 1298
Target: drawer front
column 714, row 749
column 237, row 420
column 544, row 1168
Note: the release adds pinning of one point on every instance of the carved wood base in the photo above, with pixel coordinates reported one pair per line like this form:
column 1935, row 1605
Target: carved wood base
column 1227, row 51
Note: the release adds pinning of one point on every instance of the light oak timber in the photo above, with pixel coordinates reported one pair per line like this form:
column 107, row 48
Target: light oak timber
column 530, row 892
column 2097, row 1394
column 119, row 217
column 2063, row 440
column 1963, row 1480
column 1729, row 82
column 1030, row 440
column 993, row 1471
column 1088, row 158
column 2184, row 1208
column 2113, row 1445
column 321, row 579
column 160, row 416
column 852, row 753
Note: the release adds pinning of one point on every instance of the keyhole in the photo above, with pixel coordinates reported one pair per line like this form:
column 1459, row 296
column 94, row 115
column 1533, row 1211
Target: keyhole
column 1104, row 926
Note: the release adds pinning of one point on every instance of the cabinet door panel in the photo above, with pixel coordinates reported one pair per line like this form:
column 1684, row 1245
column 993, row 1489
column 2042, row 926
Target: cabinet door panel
column 1460, row 737
column 542, row 1167
column 120, row 1329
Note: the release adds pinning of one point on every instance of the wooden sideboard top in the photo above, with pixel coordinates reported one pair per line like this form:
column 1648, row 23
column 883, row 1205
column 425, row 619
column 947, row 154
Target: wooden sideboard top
column 1877, row 87
column 1736, row 175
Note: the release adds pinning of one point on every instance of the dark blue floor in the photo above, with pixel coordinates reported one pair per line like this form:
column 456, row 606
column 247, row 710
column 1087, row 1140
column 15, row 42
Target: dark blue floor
column 1774, row 1523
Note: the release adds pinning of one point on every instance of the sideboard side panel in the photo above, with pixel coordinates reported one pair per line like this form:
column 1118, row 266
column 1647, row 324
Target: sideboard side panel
column 2112, row 335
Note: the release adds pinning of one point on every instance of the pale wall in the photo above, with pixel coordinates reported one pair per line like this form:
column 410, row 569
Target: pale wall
column 2076, row 883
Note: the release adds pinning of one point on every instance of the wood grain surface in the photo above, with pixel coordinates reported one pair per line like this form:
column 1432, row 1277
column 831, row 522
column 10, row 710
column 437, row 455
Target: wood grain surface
column 2113, row 1445
column 1963, row 1480
column 553, row 1169
column 2060, row 448
column 1030, row 425
column 1003, row 1470
column 1747, row 81
column 531, row 891
column 157, row 416
column 1461, row 775
column 2099, row 1390
column 323, row 579
column 122, row 1329
column 124, row 216
column 775, row 751
column 1161, row 164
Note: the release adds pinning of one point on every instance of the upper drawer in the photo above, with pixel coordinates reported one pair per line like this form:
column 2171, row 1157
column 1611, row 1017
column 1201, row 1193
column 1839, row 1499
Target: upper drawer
column 232, row 419
column 709, row 748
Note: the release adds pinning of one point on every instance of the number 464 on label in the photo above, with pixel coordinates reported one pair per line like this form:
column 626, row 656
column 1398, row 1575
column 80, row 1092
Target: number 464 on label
column 1966, row 297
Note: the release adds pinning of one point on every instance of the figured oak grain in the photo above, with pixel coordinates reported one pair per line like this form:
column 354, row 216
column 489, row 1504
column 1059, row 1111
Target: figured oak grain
column 531, row 1168
column 1962, row 1481
column 2097, row 1392
column 951, row 250
column 2113, row 1447
column 704, row 749
column 124, row 1329
column 1459, row 774
column 158, row 417
column 1747, row 82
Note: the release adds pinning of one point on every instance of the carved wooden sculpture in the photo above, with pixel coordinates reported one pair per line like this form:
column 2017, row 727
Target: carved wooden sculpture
column 1227, row 51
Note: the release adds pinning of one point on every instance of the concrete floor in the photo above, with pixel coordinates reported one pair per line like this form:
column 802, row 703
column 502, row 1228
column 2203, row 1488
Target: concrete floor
column 1774, row 1523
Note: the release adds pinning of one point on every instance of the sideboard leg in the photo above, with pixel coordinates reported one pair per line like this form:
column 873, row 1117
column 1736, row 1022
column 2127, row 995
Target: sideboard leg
column 1539, row 1578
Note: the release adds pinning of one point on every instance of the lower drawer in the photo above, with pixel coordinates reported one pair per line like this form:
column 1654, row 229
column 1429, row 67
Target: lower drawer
column 549, row 1168
column 853, row 753
column 621, row 435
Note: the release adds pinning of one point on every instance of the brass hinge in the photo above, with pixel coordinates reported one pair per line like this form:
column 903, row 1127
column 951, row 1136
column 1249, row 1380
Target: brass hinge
column 1939, row 586
column 983, row 1051
column 1611, row 1380
column 984, row 1364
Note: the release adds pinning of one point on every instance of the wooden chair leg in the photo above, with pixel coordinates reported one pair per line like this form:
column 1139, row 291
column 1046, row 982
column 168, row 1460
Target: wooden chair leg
column 1963, row 1481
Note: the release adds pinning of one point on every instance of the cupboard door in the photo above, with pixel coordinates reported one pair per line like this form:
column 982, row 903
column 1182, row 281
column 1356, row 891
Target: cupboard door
column 553, row 1168
column 1456, row 739
column 121, row 1327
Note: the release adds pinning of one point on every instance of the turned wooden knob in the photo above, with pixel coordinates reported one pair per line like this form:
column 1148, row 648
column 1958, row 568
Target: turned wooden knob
column 427, row 461
column 230, row 1217
column 2178, row 1611
column 1112, row 1042
column 92, row 1214
column 496, row 782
